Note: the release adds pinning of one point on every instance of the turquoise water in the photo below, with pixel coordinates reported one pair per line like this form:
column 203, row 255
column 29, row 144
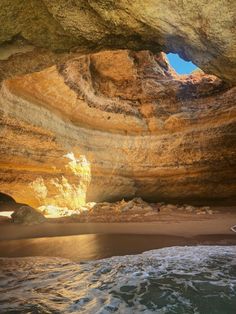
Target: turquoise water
column 199, row 279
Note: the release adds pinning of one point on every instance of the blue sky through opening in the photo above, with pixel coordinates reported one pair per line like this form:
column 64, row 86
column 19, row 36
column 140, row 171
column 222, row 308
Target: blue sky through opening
column 181, row 66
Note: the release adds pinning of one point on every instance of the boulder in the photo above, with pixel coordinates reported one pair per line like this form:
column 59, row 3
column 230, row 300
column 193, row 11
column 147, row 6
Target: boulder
column 135, row 205
column 28, row 216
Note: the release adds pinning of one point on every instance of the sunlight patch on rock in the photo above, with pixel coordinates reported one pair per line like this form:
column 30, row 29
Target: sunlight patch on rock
column 60, row 196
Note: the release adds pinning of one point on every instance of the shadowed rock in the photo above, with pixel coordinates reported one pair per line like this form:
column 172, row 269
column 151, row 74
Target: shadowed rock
column 27, row 215
column 202, row 31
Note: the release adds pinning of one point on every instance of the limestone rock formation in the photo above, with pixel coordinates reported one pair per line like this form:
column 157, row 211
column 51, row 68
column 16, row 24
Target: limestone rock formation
column 201, row 31
column 18, row 58
column 144, row 130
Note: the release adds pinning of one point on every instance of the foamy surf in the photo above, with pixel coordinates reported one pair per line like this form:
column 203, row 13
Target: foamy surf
column 199, row 279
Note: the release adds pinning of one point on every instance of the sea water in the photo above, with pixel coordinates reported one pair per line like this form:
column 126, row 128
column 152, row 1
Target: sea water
column 197, row 279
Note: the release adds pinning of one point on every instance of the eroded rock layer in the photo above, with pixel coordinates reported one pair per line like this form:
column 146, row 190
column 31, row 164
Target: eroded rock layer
column 145, row 130
column 201, row 31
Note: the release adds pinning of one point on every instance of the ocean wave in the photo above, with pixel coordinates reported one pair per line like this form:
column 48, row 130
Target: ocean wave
column 199, row 279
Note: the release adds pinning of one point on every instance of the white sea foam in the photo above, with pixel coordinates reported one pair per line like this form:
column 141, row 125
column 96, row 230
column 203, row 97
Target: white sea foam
column 200, row 279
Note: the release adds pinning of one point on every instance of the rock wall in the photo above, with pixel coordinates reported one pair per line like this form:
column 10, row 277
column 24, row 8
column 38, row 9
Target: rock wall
column 145, row 130
column 201, row 31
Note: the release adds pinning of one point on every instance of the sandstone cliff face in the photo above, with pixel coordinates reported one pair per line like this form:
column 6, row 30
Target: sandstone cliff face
column 145, row 130
column 201, row 31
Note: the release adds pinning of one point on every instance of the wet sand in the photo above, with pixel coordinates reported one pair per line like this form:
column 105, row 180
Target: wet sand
column 88, row 241
column 97, row 246
column 182, row 225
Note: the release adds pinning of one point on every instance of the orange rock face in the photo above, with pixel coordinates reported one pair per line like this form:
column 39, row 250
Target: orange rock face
column 202, row 31
column 144, row 130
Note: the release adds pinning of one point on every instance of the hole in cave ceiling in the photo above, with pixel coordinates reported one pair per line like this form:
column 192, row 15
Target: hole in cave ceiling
column 181, row 66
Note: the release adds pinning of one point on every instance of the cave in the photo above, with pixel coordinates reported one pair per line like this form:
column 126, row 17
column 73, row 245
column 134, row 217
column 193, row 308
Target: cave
column 117, row 136
column 4, row 198
column 146, row 130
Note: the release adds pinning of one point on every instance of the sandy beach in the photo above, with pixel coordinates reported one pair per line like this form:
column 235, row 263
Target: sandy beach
column 62, row 237
column 176, row 224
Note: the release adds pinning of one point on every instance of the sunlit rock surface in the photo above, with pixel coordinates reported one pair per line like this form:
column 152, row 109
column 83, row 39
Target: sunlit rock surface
column 202, row 31
column 144, row 130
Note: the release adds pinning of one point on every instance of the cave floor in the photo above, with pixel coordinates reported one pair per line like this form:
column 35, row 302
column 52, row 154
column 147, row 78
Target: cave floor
column 173, row 224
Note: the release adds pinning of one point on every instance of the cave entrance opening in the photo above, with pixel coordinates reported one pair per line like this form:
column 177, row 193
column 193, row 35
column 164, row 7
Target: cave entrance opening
column 5, row 198
column 180, row 65
column 7, row 204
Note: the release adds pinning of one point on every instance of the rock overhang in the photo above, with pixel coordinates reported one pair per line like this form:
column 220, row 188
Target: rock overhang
column 145, row 130
column 198, row 31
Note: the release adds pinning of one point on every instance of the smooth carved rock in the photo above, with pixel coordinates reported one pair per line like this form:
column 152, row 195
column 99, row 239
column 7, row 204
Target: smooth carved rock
column 201, row 31
column 17, row 59
column 145, row 130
